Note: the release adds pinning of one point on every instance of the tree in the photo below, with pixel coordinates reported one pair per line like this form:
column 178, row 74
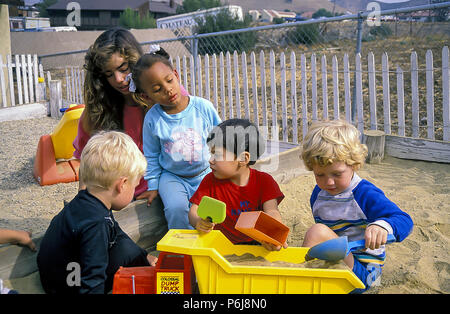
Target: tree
column 132, row 19
column 322, row 13
column 224, row 21
column 441, row 15
column 42, row 7
column 308, row 34
column 194, row 5
column 278, row 20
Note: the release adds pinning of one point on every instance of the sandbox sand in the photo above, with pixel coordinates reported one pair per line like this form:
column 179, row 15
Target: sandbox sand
column 420, row 264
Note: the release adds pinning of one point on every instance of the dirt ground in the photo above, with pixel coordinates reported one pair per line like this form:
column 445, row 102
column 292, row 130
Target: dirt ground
column 419, row 264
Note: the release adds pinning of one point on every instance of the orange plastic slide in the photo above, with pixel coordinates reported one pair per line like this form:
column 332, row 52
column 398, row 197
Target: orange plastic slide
column 47, row 170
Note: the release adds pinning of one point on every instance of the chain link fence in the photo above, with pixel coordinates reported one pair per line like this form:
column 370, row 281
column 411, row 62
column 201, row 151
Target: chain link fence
column 348, row 33
column 412, row 28
column 394, row 35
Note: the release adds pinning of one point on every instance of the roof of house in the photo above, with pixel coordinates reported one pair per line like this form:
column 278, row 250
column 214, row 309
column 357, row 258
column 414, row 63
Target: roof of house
column 275, row 13
column 162, row 7
column 12, row 2
column 108, row 5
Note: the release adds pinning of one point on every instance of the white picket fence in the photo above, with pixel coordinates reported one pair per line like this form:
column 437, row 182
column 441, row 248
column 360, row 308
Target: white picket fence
column 19, row 80
column 219, row 79
column 74, row 79
column 291, row 95
column 237, row 91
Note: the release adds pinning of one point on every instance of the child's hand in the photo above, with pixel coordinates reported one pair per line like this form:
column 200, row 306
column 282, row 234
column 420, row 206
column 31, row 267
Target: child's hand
column 152, row 260
column 273, row 247
column 20, row 237
column 203, row 225
column 149, row 195
column 375, row 236
column 26, row 240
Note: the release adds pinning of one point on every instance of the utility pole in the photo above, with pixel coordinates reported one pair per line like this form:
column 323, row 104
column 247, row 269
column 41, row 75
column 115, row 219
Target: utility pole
column 358, row 50
column 5, row 50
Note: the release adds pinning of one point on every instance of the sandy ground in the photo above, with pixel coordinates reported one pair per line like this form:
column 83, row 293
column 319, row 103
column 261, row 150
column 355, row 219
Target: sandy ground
column 24, row 204
column 420, row 264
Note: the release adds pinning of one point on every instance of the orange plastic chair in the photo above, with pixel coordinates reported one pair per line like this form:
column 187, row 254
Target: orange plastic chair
column 47, row 168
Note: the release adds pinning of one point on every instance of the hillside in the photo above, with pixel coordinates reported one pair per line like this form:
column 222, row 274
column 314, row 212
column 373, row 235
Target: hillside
column 281, row 5
column 356, row 5
column 314, row 5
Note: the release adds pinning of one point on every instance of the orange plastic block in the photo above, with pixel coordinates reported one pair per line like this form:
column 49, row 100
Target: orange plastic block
column 262, row 227
column 134, row 280
column 46, row 170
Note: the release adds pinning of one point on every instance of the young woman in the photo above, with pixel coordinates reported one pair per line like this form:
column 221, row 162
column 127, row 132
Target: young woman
column 109, row 103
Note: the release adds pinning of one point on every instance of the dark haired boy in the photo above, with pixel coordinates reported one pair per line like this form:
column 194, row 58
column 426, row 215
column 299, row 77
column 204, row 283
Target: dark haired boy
column 236, row 144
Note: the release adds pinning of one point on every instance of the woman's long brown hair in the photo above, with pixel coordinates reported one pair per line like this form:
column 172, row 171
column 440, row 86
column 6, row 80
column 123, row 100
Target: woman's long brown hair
column 104, row 105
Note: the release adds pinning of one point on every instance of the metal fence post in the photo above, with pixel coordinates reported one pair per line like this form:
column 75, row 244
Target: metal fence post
column 195, row 54
column 358, row 50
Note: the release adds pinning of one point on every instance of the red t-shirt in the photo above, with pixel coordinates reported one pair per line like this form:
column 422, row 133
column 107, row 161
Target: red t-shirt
column 133, row 119
column 261, row 187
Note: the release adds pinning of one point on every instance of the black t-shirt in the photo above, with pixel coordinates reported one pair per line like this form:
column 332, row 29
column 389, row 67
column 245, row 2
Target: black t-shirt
column 83, row 232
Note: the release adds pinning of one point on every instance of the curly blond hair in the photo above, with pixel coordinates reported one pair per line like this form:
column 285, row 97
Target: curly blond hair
column 330, row 141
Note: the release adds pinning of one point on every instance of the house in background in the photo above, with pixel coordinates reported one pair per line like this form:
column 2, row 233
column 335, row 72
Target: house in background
column 103, row 14
column 13, row 6
column 25, row 17
column 268, row 15
column 27, row 23
column 12, row 3
column 163, row 8
column 23, row 9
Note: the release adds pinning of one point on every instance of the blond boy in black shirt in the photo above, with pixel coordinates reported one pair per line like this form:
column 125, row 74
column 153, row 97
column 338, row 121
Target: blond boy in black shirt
column 84, row 237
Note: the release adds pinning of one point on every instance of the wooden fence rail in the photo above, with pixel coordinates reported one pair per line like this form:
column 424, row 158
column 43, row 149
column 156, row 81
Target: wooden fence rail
column 325, row 93
column 19, row 82
column 288, row 92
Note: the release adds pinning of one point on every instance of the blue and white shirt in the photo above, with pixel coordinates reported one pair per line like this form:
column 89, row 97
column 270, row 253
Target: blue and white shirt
column 177, row 142
column 360, row 205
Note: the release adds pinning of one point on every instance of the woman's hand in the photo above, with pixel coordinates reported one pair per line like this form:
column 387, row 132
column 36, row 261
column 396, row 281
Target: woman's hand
column 149, row 195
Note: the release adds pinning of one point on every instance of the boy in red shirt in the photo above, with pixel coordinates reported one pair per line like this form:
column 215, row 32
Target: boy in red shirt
column 236, row 144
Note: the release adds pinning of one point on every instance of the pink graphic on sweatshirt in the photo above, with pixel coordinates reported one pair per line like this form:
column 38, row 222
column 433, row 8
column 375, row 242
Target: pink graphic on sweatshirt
column 186, row 145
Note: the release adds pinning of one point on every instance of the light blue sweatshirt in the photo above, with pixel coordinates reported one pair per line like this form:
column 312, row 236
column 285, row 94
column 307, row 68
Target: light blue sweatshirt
column 177, row 142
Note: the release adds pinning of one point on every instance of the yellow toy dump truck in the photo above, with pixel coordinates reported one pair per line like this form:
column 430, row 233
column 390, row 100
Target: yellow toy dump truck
column 216, row 275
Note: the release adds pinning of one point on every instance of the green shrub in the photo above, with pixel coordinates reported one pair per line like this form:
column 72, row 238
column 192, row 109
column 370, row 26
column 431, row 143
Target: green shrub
column 380, row 31
column 224, row 21
column 304, row 34
column 131, row 19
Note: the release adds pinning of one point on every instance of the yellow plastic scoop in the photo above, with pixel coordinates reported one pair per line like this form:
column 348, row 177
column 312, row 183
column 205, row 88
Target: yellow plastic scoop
column 212, row 210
